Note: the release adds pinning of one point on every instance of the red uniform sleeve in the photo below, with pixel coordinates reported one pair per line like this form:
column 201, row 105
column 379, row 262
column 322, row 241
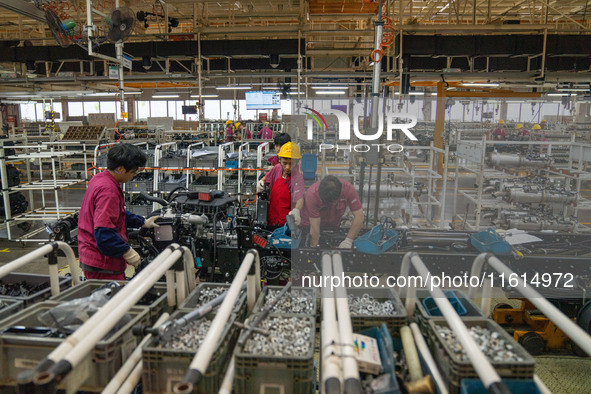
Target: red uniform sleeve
column 352, row 197
column 107, row 209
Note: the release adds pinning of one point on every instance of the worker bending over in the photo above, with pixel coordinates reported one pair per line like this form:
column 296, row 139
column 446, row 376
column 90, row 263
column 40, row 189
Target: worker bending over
column 287, row 187
column 103, row 245
column 325, row 203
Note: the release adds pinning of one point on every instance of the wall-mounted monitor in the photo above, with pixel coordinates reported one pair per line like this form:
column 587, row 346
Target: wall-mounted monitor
column 263, row 100
column 189, row 110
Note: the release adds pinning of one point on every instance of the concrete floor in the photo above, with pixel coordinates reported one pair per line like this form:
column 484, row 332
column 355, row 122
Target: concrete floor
column 562, row 373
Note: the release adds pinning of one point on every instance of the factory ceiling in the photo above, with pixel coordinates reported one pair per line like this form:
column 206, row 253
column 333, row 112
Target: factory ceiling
column 263, row 40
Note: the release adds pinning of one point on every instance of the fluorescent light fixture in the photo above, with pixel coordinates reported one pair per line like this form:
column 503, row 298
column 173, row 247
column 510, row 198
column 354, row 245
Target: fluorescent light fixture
column 166, row 96
column 414, row 93
column 484, row 85
column 329, row 87
column 559, row 94
column 270, row 87
column 205, row 96
column 572, row 90
column 327, row 92
column 290, row 93
column 233, row 87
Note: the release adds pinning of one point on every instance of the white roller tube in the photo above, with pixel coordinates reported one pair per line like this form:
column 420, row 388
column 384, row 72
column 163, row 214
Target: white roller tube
column 181, row 288
column 189, row 261
column 132, row 362
column 228, row 382
column 487, row 374
column 203, row 356
column 41, row 252
column 426, row 354
column 410, row 353
column 132, row 380
column 349, row 359
column 170, row 292
column 54, row 279
column 330, row 339
column 570, row 328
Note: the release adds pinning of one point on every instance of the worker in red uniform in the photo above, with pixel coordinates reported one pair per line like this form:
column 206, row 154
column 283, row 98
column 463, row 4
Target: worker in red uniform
column 287, row 187
column 103, row 245
column 325, row 203
column 521, row 131
column 500, row 133
column 266, row 132
column 229, row 131
column 278, row 141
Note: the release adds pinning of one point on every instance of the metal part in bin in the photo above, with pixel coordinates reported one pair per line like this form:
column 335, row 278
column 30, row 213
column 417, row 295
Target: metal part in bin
column 309, row 290
column 19, row 353
column 191, row 302
column 33, row 280
column 454, row 370
column 281, row 374
column 394, row 321
column 163, row 368
column 10, row 308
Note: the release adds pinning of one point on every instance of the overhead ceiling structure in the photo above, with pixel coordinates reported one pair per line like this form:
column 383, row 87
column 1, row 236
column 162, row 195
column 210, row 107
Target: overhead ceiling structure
column 521, row 43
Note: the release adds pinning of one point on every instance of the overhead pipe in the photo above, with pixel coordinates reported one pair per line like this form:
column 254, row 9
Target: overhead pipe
column 250, row 271
column 330, row 337
column 485, row 371
column 53, row 368
column 569, row 327
column 53, row 273
column 134, row 360
column 350, row 368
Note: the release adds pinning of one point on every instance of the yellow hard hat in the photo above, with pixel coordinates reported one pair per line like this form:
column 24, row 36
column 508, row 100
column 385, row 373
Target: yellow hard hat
column 537, row 127
column 519, row 126
column 237, row 124
column 290, row 151
column 501, row 121
column 228, row 122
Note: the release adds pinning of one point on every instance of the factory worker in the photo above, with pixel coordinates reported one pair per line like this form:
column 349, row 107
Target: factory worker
column 543, row 125
column 266, row 132
column 278, row 141
column 521, row 130
column 286, row 184
column 500, row 133
column 325, row 203
column 103, row 245
column 229, row 131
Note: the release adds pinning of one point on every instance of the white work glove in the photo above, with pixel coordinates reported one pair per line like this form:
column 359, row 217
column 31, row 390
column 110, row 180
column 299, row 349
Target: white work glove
column 132, row 257
column 346, row 244
column 151, row 222
column 296, row 216
column 261, row 186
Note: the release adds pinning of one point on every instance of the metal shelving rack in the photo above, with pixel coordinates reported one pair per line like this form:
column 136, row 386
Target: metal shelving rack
column 471, row 158
column 43, row 213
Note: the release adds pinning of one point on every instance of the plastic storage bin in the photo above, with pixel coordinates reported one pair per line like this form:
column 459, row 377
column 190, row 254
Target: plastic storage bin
column 432, row 309
column 163, row 368
column 490, row 241
column 19, row 353
column 9, row 308
column 157, row 296
column 309, row 165
column 454, row 369
column 475, row 386
column 377, row 241
column 33, row 280
column 394, row 321
column 386, row 349
column 276, row 374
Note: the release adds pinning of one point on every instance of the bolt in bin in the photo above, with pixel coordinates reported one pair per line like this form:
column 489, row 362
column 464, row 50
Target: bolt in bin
column 192, row 301
column 280, row 374
column 454, row 369
column 393, row 321
column 287, row 303
column 19, row 353
column 33, row 280
column 155, row 300
column 163, row 368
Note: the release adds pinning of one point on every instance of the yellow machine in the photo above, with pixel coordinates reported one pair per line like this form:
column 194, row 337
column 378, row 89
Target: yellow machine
column 543, row 334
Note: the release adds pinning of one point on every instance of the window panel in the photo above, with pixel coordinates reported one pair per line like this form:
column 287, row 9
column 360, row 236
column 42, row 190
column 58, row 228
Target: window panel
column 158, row 109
